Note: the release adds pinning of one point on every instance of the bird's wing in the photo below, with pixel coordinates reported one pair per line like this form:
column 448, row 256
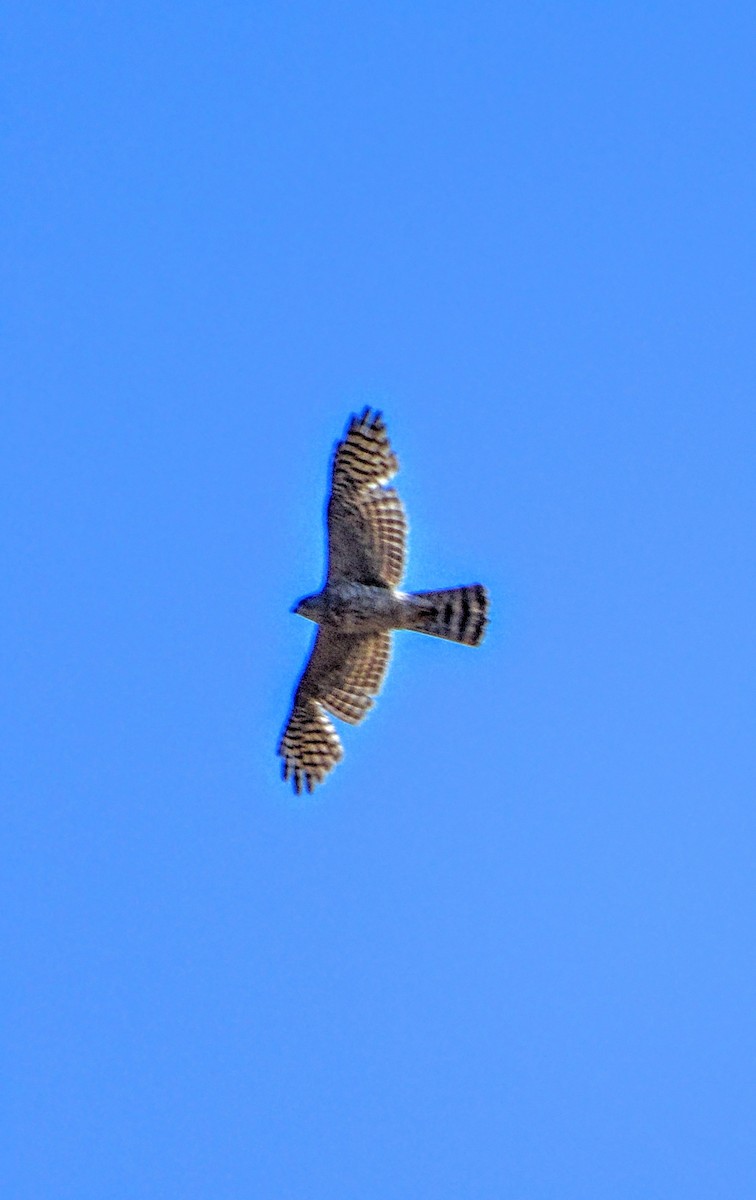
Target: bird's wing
column 367, row 526
column 342, row 674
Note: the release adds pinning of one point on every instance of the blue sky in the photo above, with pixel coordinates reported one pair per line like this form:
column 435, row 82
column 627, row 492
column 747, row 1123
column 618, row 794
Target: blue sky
column 507, row 951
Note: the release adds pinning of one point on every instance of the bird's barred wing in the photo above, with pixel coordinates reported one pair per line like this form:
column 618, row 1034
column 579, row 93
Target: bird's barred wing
column 367, row 526
column 310, row 746
column 350, row 695
column 343, row 674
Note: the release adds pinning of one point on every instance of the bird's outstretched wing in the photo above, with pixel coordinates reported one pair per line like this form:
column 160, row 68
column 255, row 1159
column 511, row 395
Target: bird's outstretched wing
column 367, row 526
column 342, row 674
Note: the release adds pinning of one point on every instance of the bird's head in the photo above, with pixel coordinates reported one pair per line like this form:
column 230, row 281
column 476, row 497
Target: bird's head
column 310, row 607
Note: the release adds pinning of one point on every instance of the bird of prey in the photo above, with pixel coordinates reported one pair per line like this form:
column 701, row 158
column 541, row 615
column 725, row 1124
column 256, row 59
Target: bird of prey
column 360, row 603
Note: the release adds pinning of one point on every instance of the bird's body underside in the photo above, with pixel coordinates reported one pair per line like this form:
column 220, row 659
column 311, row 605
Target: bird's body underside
column 458, row 614
column 360, row 604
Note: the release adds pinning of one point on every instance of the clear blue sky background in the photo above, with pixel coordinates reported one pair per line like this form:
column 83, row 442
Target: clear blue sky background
column 507, row 952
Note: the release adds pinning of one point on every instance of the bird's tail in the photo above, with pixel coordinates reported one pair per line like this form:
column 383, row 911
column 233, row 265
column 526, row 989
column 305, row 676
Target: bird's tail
column 459, row 614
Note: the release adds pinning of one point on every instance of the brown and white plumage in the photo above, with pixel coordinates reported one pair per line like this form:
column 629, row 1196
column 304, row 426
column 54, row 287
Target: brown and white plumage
column 359, row 605
column 367, row 528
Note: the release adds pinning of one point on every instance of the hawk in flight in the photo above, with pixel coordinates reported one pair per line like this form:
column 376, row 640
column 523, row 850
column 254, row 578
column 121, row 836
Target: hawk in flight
column 360, row 604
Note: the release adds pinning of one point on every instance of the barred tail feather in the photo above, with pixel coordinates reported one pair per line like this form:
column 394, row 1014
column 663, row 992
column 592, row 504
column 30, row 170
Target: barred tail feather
column 459, row 614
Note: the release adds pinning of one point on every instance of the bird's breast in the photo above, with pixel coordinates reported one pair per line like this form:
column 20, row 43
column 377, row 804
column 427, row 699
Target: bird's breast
column 360, row 608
